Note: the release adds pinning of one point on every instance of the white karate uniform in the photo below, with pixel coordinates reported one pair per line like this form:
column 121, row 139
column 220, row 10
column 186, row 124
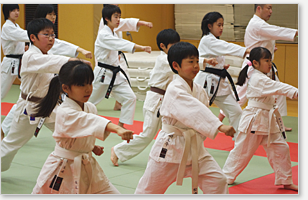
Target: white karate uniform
column 60, row 47
column 186, row 109
column 36, row 72
column 261, row 89
column 211, row 47
column 106, row 49
column 259, row 33
column 75, row 133
column 13, row 40
column 160, row 77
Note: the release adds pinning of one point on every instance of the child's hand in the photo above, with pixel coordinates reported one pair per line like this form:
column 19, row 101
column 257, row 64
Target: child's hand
column 149, row 24
column 211, row 61
column 147, row 49
column 97, row 150
column 295, row 96
column 125, row 134
column 226, row 66
column 87, row 54
column 228, row 130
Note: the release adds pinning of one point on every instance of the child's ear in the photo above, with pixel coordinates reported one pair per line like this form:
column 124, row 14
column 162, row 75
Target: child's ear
column 162, row 46
column 255, row 63
column 175, row 66
column 33, row 37
column 210, row 26
column 65, row 88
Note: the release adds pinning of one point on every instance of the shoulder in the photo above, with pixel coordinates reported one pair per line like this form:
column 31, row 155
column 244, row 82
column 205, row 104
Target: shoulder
column 91, row 107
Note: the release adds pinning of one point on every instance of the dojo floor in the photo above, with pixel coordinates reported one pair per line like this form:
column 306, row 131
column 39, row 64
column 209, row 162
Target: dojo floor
column 257, row 178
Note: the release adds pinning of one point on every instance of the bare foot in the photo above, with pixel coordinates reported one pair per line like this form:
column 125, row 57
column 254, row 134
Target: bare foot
column 117, row 106
column 2, row 134
column 291, row 187
column 114, row 158
column 288, row 129
column 221, row 117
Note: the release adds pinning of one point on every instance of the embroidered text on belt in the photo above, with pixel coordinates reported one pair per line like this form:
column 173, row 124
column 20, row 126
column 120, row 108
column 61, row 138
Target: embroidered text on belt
column 18, row 56
column 272, row 110
column 190, row 146
column 78, row 158
column 222, row 73
column 114, row 70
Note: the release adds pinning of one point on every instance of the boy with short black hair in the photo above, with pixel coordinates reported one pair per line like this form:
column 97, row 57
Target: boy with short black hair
column 38, row 68
column 107, row 76
column 178, row 150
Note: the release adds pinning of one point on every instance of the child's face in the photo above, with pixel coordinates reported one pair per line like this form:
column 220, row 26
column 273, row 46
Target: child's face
column 115, row 20
column 44, row 40
column 189, row 68
column 264, row 66
column 217, row 27
column 14, row 14
column 51, row 16
column 80, row 94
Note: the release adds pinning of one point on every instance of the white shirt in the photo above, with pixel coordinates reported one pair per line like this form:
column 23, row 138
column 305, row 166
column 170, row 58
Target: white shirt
column 211, row 47
column 184, row 108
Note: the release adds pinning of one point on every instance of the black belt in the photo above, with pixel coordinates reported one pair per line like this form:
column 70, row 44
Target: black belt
column 121, row 53
column 273, row 71
column 18, row 56
column 222, row 73
column 114, row 70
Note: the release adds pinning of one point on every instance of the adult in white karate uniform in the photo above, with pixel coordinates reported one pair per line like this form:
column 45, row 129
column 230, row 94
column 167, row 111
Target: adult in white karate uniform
column 70, row 168
column 211, row 46
column 36, row 72
column 186, row 122
column 107, row 45
column 261, row 123
column 160, row 77
column 259, row 33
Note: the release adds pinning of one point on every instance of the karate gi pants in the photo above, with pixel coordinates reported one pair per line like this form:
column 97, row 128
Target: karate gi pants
column 231, row 108
column 122, row 93
column 7, row 79
column 246, row 144
column 158, row 176
column 151, row 126
column 20, row 133
column 7, row 122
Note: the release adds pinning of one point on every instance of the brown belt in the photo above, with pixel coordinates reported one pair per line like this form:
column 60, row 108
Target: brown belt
column 33, row 99
column 158, row 90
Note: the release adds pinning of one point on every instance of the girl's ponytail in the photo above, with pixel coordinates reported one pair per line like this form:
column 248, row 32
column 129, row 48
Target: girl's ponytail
column 49, row 102
column 242, row 76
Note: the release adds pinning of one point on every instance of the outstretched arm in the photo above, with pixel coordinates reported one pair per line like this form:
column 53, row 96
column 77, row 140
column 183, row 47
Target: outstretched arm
column 144, row 23
column 86, row 53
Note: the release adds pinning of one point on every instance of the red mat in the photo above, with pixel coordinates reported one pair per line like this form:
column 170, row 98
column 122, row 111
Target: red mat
column 264, row 185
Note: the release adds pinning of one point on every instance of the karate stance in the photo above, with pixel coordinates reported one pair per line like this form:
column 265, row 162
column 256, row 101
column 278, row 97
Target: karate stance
column 108, row 75
column 261, row 123
column 37, row 69
column 178, row 150
column 259, row 33
column 70, row 168
column 215, row 79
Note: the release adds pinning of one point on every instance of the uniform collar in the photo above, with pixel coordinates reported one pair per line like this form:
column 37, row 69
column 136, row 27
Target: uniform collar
column 72, row 104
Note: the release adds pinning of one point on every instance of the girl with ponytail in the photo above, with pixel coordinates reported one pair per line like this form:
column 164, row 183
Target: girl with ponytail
column 261, row 122
column 70, row 168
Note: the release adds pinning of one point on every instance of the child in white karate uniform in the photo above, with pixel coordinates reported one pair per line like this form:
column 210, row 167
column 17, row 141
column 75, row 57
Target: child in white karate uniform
column 70, row 168
column 60, row 47
column 37, row 69
column 217, row 85
column 261, row 122
column 108, row 75
column 178, row 150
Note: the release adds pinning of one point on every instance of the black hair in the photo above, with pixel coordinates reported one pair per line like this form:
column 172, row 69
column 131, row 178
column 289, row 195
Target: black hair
column 109, row 10
column 36, row 25
column 7, row 8
column 71, row 73
column 256, row 6
column 167, row 36
column 209, row 18
column 256, row 54
column 180, row 51
column 43, row 9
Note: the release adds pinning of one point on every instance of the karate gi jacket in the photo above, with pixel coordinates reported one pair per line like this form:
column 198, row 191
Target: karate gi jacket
column 184, row 108
column 211, row 47
column 263, row 89
column 36, row 73
column 76, row 131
